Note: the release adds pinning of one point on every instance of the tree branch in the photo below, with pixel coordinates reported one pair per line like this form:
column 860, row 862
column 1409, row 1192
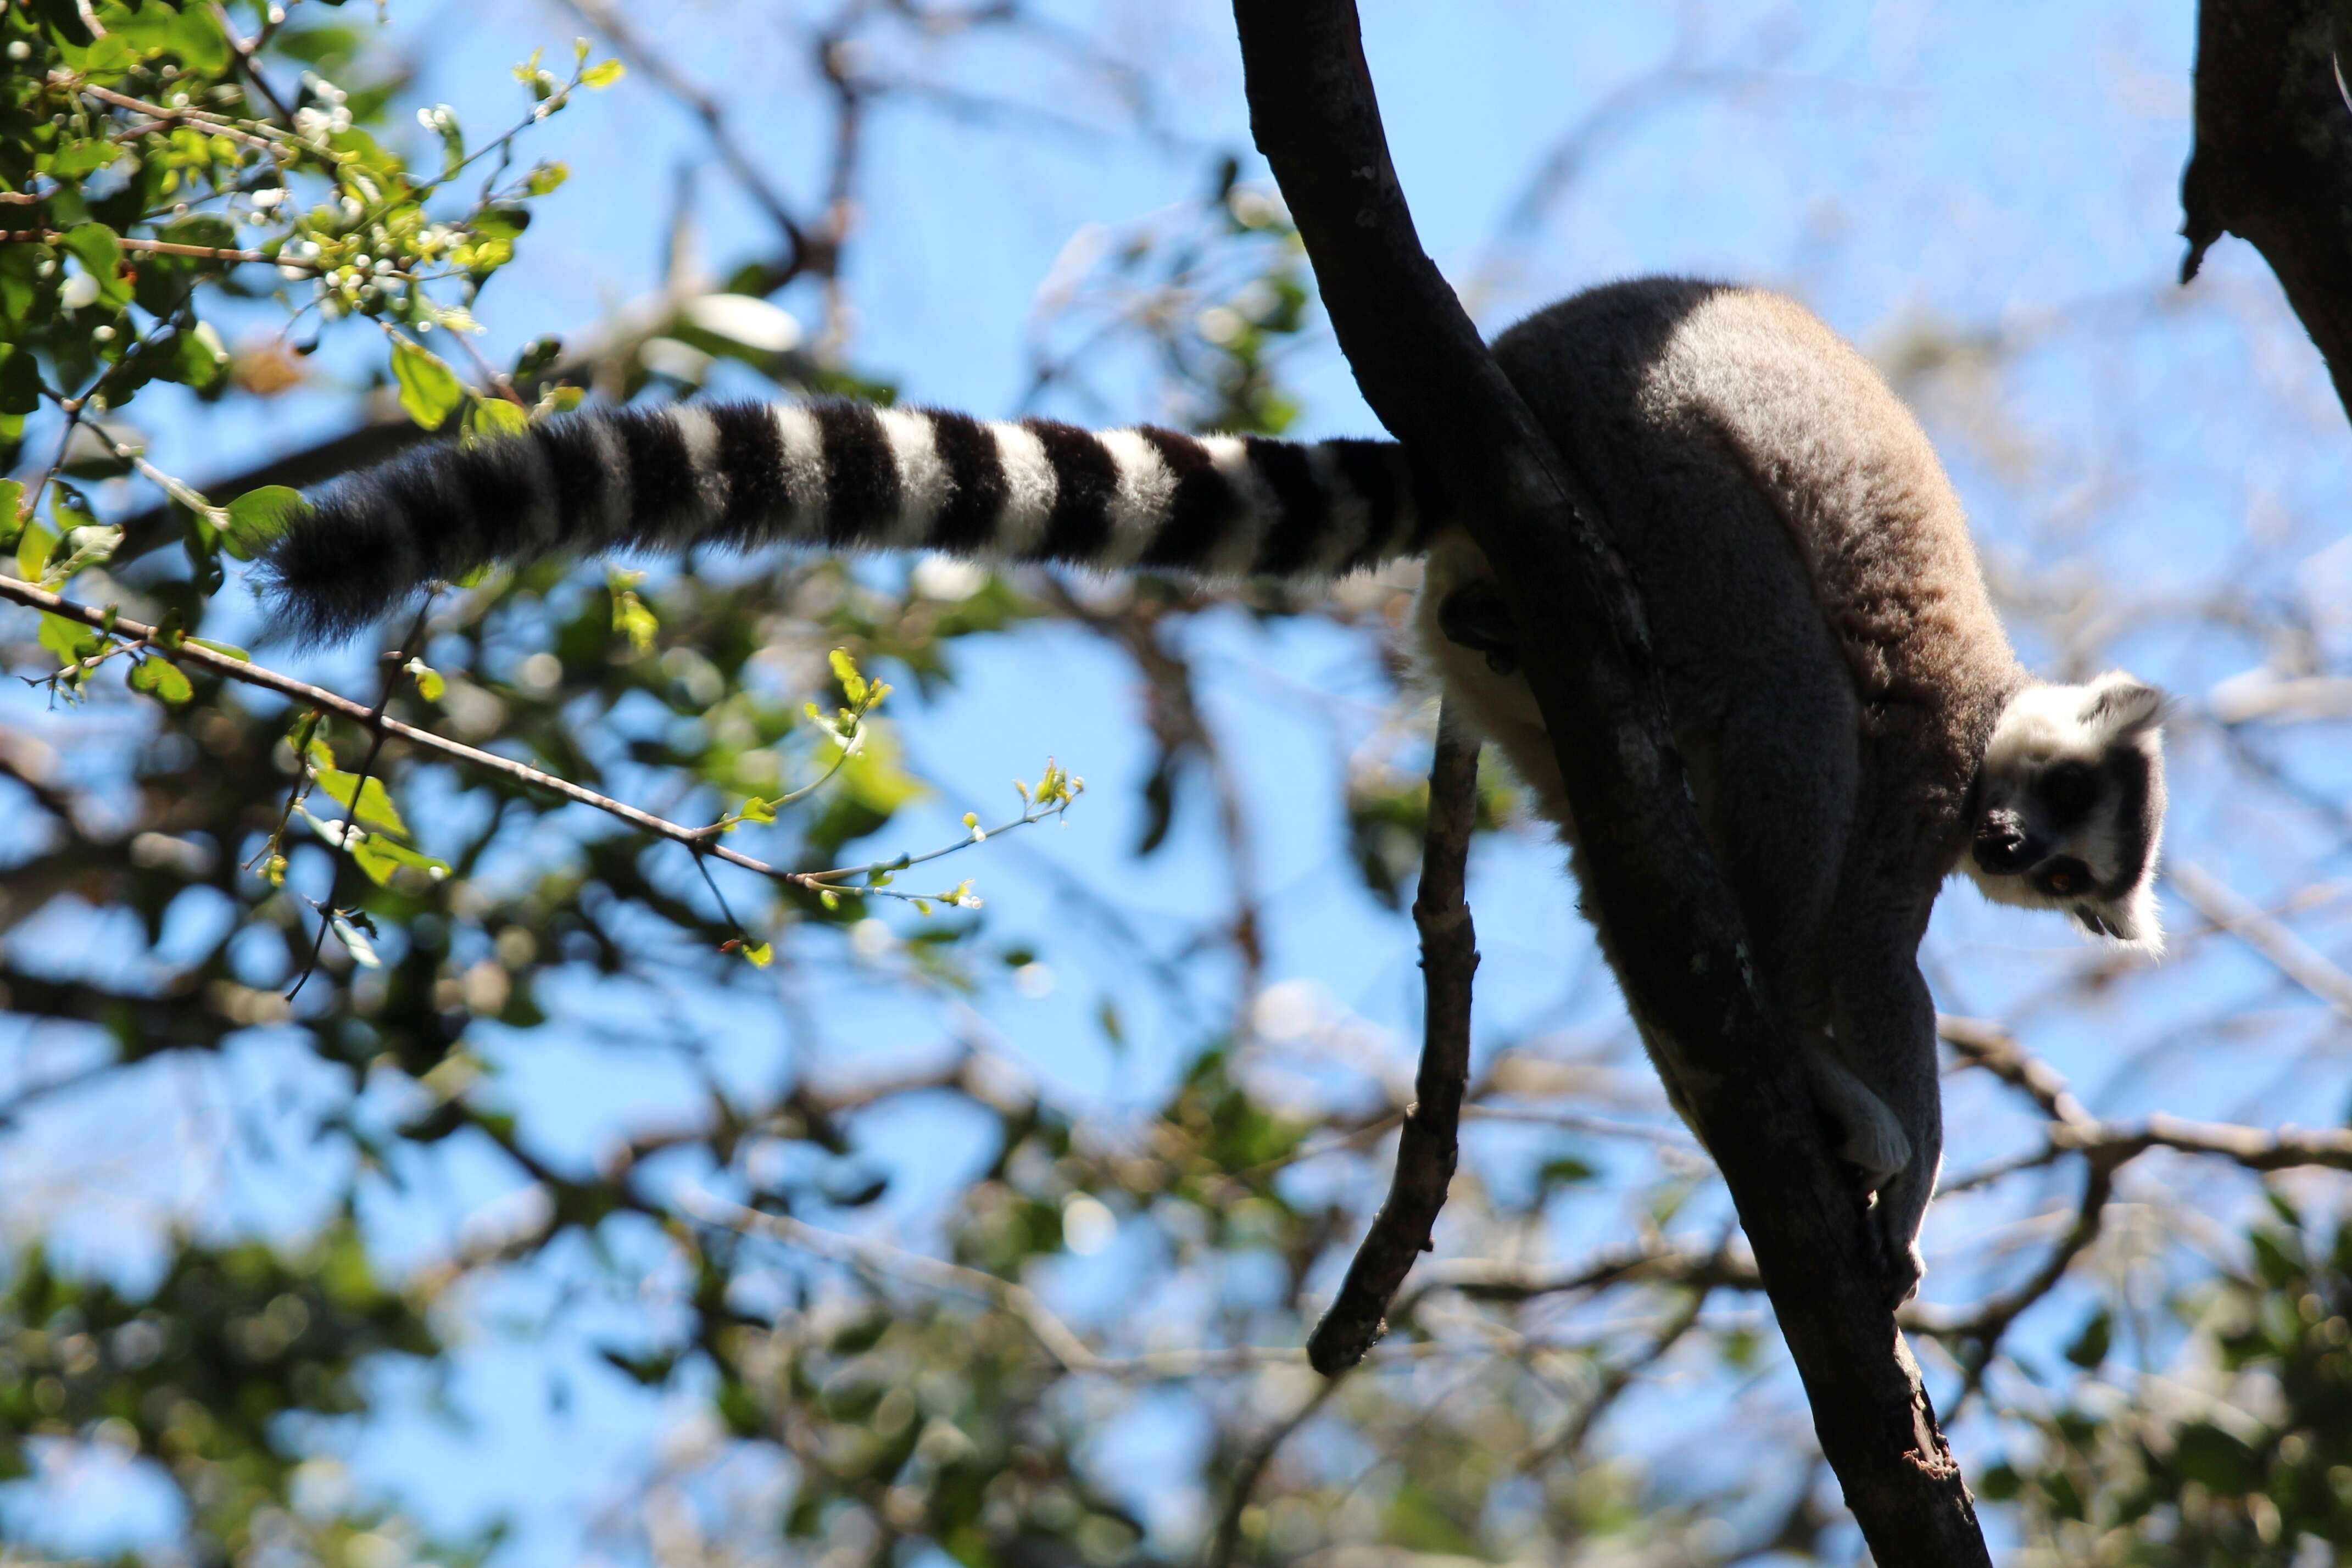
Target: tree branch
column 1428, row 1145
column 2273, row 160
column 702, row 839
column 2290, row 955
column 1676, row 931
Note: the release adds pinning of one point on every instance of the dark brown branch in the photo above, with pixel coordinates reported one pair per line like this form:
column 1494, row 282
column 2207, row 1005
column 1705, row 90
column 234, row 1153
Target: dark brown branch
column 1428, row 1144
column 1657, row 1262
column 1572, row 1438
column 1676, row 931
column 1996, row 1050
column 2273, row 161
column 1981, row 1329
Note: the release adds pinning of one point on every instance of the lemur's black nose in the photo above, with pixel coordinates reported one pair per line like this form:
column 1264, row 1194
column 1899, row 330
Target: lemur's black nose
column 2001, row 844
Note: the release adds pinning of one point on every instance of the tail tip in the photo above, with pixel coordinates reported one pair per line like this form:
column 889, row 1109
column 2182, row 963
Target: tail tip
column 335, row 569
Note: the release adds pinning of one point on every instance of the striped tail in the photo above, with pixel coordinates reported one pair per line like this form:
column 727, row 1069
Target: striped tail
column 840, row 476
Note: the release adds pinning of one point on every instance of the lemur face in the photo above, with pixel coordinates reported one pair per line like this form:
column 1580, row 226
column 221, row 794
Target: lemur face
column 2070, row 806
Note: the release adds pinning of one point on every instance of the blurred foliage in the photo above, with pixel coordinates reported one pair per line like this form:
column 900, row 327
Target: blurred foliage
column 207, row 882
column 2248, row 1462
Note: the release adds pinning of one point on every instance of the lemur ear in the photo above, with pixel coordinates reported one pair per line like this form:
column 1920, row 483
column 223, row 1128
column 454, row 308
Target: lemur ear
column 2124, row 707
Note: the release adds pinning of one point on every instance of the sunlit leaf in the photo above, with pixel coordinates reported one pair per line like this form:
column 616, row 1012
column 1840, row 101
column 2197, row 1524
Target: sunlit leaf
column 160, row 677
column 430, row 391
column 374, row 809
column 258, row 517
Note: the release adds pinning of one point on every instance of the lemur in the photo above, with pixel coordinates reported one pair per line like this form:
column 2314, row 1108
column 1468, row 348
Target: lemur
column 1856, row 724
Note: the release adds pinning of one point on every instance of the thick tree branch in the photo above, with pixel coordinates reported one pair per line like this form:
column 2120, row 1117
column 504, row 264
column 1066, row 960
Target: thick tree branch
column 2273, row 161
column 1428, row 1145
column 1679, row 945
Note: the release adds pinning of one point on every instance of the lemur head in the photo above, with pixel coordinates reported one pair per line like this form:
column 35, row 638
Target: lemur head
column 2070, row 806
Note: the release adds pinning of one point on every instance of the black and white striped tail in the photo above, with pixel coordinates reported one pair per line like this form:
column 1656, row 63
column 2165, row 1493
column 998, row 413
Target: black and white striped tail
column 845, row 477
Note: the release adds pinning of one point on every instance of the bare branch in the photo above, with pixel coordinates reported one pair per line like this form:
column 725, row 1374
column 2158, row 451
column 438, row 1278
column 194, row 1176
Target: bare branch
column 704, row 840
column 1429, row 1143
column 1059, row 1340
column 2232, row 912
column 2273, row 161
column 1996, row 1050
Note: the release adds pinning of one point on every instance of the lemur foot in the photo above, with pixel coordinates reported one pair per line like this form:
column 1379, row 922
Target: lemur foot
column 1474, row 616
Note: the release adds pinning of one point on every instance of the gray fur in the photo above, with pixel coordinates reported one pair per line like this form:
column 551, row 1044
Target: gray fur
column 1856, row 724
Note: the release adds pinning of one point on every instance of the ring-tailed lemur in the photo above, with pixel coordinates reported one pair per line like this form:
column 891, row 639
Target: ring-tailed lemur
column 1856, row 724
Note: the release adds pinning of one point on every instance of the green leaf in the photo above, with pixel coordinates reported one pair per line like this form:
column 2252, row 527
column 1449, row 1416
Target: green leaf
column 98, row 248
column 368, row 854
column 225, row 650
column 380, row 857
column 430, row 391
column 194, row 358
column 558, row 400
column 604, row 74
column 20, row 378
column 491, row 419
column 33, row 547
column 374, row 809
column 845, row 670
column 631, row 618
column 429, row 684
column 70, row 640
column 759, row 955
column 259, row 515
column 755, row 809
column 399, row 853
column 2089, row 1347
column 2204, row 1453
column 84, row 546
column 159, row 677
column 501, row 223
column 12, row 498
column 80, row 160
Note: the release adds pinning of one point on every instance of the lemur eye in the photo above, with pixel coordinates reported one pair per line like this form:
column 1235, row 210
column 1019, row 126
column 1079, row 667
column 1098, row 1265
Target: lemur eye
column 2069, row 787
column 2065, row 876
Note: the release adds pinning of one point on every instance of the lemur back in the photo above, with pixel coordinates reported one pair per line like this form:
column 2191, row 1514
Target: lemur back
column 1855, row 723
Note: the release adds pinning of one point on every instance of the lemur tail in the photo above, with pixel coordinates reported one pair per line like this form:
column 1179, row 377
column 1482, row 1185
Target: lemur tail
column 842, row 477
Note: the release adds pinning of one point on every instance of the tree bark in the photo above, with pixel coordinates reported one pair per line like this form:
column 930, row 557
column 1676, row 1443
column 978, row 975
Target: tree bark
column 2273, row 161
column 1429, row 1142
column 1582, row 640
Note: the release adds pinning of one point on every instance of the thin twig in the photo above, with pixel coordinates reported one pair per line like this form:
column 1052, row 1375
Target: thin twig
column 701, row 839
column 1429, row 1143
column 2234, row 912
column 395, row 665
column 1057, row 1338
column 173, row 247
column 1568, row 1441
column 245, row 64
column 1224, row 1545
